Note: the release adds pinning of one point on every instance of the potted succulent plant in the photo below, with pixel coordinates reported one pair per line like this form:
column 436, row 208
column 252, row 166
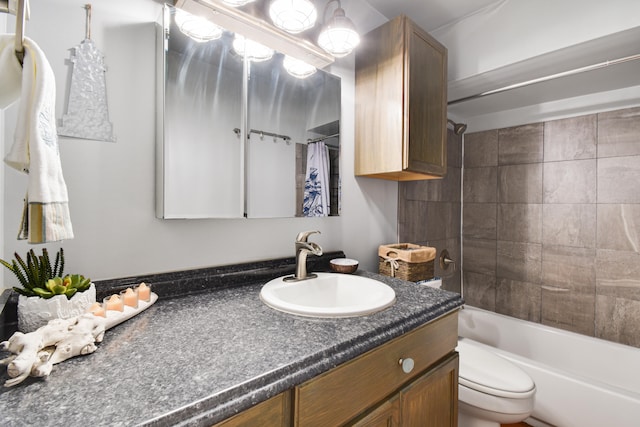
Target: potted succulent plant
column 45, row 293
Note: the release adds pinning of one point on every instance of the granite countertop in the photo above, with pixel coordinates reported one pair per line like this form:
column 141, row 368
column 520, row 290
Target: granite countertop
column 199, row 358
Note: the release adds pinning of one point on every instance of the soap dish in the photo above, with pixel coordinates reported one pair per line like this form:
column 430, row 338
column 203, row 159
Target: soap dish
column 343, row 265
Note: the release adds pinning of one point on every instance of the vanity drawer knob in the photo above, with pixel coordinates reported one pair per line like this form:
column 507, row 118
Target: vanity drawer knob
column 407, row 364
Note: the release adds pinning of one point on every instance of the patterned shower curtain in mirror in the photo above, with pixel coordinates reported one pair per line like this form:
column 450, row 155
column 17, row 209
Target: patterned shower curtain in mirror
column 316, row 186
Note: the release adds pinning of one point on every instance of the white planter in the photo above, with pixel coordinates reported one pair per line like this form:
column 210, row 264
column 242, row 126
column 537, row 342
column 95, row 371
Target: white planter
column 34, row 312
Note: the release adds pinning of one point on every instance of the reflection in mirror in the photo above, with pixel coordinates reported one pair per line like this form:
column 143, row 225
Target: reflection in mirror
column 284, row 172
column 288, row 163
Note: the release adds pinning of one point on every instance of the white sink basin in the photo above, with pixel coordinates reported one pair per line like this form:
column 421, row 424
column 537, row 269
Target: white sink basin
column 328, row 295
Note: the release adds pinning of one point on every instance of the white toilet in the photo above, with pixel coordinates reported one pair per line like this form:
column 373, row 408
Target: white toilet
column 491, row 390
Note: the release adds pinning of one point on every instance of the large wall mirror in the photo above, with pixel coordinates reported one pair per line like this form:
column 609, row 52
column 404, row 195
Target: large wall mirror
column 240, row 137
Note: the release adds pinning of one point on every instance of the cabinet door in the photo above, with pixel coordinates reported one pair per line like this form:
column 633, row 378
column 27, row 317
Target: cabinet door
column 352, row 389
column 432, row 400
column 385, row 415
column 275, row 412
column 427, row 108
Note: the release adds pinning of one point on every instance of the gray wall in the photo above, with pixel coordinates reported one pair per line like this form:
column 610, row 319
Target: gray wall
column 429, row 213
column 111, row 185
column 551, row 223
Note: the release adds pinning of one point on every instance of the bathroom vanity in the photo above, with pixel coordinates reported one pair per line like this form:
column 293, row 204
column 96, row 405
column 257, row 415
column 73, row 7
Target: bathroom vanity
column 209, row 351
column 378, row 388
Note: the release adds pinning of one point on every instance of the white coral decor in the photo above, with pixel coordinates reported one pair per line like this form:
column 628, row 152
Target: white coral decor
column 34, row 312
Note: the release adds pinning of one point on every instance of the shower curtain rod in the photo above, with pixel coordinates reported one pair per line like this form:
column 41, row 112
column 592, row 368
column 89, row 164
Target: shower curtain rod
column 322, row 138
column 547, row 78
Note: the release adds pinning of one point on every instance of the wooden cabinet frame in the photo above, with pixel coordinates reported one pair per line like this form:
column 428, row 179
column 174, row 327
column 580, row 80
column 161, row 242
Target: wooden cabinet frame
column 401, row 103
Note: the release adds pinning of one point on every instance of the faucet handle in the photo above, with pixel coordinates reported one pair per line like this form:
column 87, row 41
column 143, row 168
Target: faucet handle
column 304, row 235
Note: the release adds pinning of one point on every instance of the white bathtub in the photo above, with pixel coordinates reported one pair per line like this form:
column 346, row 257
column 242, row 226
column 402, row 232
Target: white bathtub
column 581, row 381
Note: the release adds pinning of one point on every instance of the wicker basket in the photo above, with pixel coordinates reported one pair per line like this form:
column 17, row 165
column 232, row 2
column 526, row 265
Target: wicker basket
column 406, row 261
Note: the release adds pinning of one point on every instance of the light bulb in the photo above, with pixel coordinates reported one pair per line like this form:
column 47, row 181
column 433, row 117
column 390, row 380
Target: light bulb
column 255, row 52
column 298, row 68
column 293, row 16
column 339, row 36
column 196, row 27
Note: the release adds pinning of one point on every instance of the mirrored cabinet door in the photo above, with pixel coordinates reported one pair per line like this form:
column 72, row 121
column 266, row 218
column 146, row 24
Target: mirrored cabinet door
column 237, row 137
column 299, row 111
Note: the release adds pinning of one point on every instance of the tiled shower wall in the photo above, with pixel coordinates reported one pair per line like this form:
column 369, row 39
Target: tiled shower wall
column 429, row 213
column 551, row 223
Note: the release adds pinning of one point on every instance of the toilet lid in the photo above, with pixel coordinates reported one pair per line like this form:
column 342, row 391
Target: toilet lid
column 487, row 372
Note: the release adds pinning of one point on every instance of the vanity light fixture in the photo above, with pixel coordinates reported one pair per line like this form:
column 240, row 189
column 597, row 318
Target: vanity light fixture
column 338, row 36
column 297, row 68
column 237, row 3
column 237, row 20
column 254, row 51
column 197, row 28
column 293, row 16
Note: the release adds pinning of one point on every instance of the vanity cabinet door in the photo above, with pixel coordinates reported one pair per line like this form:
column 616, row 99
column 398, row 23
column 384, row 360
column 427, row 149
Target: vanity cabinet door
column 349, row 391
column 275, row 412
column 401, row 110
column 385, row 415
column 432, row 400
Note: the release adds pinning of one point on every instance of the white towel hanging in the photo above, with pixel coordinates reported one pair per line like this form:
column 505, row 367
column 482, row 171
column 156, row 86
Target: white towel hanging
column 35, row 151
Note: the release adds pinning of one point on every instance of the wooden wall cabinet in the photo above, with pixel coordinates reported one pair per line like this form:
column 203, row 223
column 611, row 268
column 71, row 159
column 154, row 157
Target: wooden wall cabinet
column 401, row 103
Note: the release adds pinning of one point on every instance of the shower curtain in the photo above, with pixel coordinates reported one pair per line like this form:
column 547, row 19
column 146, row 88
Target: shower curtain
column 316, row 185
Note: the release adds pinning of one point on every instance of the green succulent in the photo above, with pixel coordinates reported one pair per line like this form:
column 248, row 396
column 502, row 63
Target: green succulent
column 38, row 278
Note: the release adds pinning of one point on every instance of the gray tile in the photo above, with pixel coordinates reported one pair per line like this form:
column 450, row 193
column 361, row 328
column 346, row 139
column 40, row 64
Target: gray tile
column 412, row 224
column 451, row 282
column 570, row 139
column 480, row 185
column 519, row 261
column 479, row 220
column 442, row 220
column 479, row 256
column 618, row 274
column 452, row 185
column 520, row 183
column 518, row 299
column 424, row 190
column 569, row 310
column 619, row 133
column 481, row 149
column 569, row 225
column 569, row 268
column 618, row 179
column 437, row 190
column 519, row 222
column 572, row 181
column 479, row 290
column 618, row 320
column 619, row 227
column 520, row 144
column 424, row 221
column 454, row 150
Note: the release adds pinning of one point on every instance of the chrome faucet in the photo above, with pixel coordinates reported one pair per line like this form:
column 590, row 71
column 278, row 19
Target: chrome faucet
column 303, row 248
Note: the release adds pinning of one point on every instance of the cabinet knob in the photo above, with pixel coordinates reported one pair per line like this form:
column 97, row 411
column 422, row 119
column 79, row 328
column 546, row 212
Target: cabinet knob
column 407, row 364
